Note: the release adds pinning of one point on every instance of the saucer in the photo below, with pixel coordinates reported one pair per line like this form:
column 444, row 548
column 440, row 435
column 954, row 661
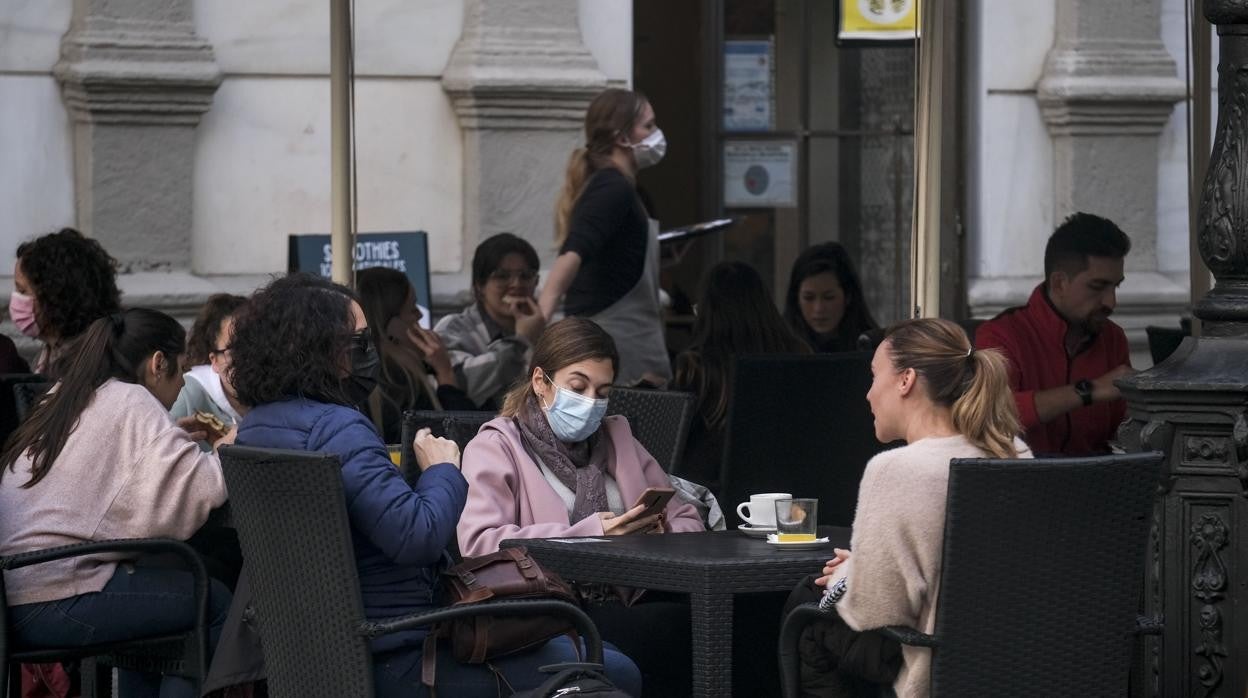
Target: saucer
column 756, row 531
column 797, row 545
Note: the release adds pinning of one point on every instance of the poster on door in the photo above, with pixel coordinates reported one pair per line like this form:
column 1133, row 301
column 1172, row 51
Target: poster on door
column 748, row 81
column 760, row 174
column 878, row 20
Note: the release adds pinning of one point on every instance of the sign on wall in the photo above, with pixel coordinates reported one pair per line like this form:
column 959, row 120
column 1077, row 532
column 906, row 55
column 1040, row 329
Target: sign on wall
column 878, row 20
column 760, row 174
column 406, row 252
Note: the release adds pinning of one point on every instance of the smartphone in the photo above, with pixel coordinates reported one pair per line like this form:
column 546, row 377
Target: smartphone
column 655, row 500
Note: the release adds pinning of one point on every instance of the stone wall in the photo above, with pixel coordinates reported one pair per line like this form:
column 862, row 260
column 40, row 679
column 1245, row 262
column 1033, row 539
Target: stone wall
column 192, row 136
column 1072, row 105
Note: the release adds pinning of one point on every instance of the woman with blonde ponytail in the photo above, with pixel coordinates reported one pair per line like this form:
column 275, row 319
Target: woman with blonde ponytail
column 946, row 400
column 607, row 268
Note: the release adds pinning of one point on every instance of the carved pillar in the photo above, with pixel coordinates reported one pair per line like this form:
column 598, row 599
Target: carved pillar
column 1106, row 93
column 520, row 79
column 136, row 80
column 1194, row 406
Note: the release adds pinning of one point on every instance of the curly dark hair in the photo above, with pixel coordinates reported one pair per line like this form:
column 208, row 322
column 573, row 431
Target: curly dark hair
column 73, row 279
column 202, row 340
column 290, row 340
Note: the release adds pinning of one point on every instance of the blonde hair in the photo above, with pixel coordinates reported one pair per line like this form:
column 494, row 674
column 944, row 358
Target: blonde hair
column 613, row 111
column 973, row 383
column 569, row 341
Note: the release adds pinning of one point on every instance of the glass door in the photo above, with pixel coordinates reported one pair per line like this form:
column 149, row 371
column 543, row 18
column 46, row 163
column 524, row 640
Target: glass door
column 814, row 142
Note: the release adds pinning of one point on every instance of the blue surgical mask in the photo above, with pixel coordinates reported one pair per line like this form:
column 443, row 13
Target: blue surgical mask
column 573, row 417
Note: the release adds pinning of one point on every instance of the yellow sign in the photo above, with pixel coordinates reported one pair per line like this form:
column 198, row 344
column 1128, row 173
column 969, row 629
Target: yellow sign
column 879, row 20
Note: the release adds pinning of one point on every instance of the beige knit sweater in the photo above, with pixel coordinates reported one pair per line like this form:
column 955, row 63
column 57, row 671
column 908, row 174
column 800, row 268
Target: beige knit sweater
column 893, row 574
column 126, row 471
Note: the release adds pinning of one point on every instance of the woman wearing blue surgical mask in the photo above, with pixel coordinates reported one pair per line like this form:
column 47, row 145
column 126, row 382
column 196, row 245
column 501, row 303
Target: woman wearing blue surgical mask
column 608, row 264
column 551, row 465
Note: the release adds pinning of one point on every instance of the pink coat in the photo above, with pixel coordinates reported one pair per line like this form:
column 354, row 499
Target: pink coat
column 509, row 498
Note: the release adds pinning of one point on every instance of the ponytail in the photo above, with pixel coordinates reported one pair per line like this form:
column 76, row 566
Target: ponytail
column 112, row 347
column 580, row 167
column 612, row 113
column 985, row 413
column 972, row 383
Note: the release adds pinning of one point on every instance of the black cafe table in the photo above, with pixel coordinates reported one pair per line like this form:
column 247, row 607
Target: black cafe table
column 712, row 567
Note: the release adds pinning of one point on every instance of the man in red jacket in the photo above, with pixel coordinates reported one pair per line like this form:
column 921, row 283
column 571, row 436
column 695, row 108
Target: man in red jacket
column 1064, row 351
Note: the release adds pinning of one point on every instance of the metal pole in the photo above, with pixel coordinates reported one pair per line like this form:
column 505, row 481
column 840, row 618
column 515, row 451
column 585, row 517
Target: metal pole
column 342, row 237
column 932, row 101
column 1200, row 144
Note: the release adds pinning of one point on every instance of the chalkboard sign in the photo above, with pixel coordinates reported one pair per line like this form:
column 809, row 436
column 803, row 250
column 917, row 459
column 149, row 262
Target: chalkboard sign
column 406, row 252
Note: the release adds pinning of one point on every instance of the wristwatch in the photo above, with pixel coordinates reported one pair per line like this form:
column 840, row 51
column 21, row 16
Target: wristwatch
column 1084, row 390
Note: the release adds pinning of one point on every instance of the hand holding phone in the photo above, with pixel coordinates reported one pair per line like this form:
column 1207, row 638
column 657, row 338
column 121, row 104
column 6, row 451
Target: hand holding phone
column 655, row 500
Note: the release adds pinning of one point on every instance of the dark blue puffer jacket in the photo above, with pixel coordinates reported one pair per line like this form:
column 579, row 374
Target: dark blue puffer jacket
column 398, row 532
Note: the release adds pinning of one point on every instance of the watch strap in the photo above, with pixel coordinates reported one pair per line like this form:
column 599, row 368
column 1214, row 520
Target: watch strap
column 1084, row 389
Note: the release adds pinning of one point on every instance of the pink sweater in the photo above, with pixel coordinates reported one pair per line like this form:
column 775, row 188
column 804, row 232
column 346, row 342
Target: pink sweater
column 126, row 471
column 508, row 497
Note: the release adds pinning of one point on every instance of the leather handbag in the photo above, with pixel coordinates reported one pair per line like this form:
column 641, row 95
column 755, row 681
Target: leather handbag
column 510, row 573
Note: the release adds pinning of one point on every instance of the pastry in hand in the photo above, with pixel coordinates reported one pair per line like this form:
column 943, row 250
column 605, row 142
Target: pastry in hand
column 212, row 424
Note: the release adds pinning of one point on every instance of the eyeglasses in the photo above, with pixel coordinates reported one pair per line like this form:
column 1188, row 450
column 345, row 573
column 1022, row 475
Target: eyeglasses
column 506, row 276
column 222, row 350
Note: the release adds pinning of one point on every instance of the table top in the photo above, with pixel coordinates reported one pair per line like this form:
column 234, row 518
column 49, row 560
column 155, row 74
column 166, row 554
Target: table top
column 706, row 562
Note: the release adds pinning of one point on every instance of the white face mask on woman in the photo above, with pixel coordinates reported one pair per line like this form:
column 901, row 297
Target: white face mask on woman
column 573, row 417
column 650, row 150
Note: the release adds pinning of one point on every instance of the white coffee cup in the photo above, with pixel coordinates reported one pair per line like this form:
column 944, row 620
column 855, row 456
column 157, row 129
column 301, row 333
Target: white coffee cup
column 761, row 509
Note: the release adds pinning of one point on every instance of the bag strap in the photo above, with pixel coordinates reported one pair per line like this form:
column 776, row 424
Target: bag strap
column 480, row 638
column 429, row 660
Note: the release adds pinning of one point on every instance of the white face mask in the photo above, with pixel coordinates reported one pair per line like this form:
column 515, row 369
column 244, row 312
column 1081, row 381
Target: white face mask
column 650, row 150
column 573, row 417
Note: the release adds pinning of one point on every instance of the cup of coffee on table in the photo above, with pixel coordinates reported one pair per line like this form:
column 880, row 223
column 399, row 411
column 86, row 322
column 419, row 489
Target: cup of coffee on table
column 760, row 511
column 796, row 520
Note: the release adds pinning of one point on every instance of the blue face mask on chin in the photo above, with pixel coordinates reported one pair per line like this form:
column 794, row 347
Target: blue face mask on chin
column 573, row 417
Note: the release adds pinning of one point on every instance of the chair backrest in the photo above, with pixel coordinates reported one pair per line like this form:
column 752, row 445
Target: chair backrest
column 800, row 424
column 9, row 418
column 26, row 396
column 457, row 425
column 290, row 512
column 660, row 420
column 1040, row 585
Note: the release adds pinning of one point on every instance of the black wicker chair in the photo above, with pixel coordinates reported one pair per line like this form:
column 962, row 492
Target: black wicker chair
column 660, row 420
column 8, row 404
column 1039, row 588
column 800, row 424
column 181, row 654
column 26, row 396
column 291, row 516
column 457, row 425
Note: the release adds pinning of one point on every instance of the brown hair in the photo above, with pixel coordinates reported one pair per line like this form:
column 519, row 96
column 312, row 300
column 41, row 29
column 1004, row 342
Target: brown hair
column 201, row 343
column 569, row 341
column 613, row 111
column 973, row 383
column 383, row 293
column 736, row 317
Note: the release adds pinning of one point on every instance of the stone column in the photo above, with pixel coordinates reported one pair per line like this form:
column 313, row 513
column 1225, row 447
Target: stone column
column 136, row 80
column 520, row 79
column 1194, row 406
column 1106, row 93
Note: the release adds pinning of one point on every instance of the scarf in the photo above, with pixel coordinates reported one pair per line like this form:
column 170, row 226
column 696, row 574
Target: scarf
column 581, row 467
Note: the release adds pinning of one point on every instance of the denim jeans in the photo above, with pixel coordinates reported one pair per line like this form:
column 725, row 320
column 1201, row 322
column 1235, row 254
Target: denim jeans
column 397, row 673
column 136, row 602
